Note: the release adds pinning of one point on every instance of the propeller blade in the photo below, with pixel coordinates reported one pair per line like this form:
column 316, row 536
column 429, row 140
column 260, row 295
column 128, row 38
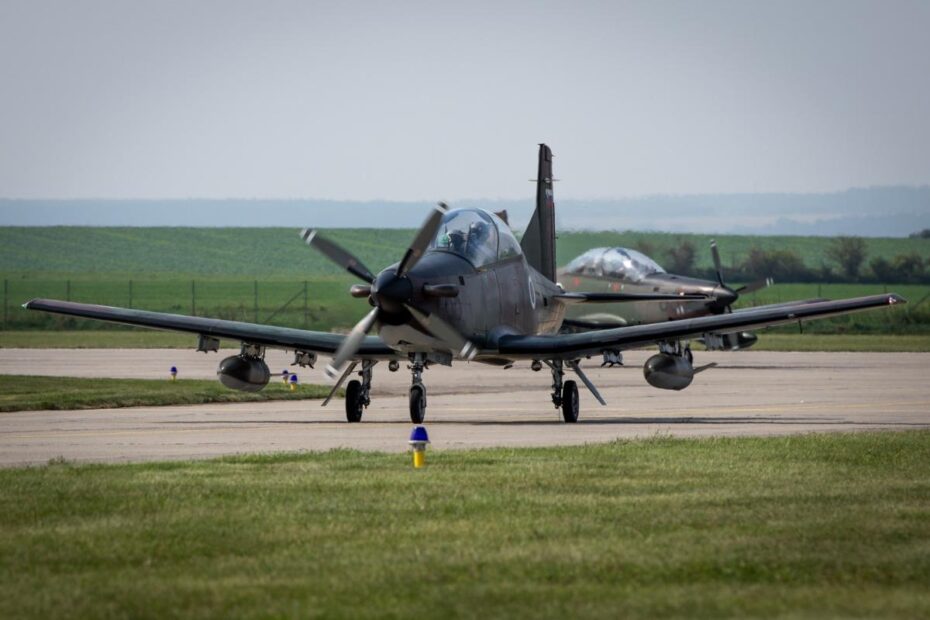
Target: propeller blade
column 462, row 347
column 755, row 286
column 336, row 254
column 350, row 345
column 424, row 236
column 715, row 253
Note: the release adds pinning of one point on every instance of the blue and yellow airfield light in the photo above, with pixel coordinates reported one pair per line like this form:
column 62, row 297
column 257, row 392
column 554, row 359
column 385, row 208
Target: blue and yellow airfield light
column 285, row 375
column 418, row 440
column 173, row 372
column 293, row 382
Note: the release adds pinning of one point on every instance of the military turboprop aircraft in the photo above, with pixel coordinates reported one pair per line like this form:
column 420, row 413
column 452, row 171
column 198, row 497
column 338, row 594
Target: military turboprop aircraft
column 464, row 290
column 622, row 269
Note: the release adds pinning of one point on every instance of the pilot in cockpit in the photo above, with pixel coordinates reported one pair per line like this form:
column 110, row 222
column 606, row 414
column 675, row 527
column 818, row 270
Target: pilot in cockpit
column 470, row 240
column 455, row 240
column 476, row 247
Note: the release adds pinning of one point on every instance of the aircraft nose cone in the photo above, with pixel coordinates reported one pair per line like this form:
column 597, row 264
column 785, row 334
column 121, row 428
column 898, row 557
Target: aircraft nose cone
column 723, row 297
column 726, row 296
column 390, row 292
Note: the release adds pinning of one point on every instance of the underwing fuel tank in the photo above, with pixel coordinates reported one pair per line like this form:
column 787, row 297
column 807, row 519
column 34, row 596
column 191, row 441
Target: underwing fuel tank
column 668, row 372
column 246, row 374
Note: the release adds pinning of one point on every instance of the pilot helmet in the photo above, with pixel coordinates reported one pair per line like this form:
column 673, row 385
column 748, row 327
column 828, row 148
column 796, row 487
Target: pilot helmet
column 478, row 230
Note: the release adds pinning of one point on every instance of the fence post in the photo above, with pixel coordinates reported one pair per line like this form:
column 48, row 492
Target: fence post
column 255, row 299
column 6, row 291
column 193, row 299
column 305, row 304
column 130, row 293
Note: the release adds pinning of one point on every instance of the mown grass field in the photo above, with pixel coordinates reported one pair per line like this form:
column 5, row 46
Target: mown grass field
column 802, row 526
column 29, row 393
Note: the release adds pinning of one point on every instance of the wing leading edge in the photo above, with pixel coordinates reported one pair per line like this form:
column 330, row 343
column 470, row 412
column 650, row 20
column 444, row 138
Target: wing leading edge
column 567, row 346
column 372, row 347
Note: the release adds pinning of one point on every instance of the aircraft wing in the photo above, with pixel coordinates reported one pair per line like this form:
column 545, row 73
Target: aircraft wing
column 568, row 346
column 603, row 298
column 782, row 304
column 372, row 347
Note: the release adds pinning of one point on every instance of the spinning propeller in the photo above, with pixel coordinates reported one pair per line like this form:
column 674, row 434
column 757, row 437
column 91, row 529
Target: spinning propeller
column 391, row 293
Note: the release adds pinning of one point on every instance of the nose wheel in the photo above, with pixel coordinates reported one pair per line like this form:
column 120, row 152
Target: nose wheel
column 417, row 390
column 417, row 403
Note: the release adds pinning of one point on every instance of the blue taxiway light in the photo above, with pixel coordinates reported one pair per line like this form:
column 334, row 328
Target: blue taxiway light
column 419, row 435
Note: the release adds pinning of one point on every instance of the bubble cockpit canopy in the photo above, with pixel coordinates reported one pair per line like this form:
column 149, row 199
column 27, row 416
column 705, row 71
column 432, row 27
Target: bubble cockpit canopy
column 616, row 263
column 475, row 235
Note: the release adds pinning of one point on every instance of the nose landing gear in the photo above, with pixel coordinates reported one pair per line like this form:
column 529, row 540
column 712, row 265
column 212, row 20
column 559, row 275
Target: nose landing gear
column 417, row 389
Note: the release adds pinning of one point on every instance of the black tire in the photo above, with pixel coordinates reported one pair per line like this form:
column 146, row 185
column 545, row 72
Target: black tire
column 353, row 401
column 570, row 402
column 417, row 404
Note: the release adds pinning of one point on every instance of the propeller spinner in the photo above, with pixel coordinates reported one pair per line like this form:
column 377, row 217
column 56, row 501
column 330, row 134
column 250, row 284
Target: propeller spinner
column 725, row 299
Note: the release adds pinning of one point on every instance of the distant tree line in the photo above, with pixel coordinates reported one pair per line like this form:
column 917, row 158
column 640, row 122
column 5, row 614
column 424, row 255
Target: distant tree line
column 848, row 262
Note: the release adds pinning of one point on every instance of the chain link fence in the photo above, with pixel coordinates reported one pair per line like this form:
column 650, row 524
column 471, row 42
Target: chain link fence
column 321, row 305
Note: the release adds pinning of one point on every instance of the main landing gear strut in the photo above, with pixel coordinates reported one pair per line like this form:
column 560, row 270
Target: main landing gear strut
column 564, row 394
column 358, row 393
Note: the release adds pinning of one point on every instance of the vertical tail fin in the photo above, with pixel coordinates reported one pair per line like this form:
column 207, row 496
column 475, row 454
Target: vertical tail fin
column 538, row 241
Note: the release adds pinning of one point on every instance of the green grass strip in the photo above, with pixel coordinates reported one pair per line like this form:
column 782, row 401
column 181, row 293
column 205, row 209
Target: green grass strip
column 801, row 526
column 28, row 393
column 876, row 343
column 102, row 339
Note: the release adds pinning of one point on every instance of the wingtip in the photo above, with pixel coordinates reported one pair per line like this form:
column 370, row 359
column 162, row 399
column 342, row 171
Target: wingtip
column 307, row 235
column 894, row 299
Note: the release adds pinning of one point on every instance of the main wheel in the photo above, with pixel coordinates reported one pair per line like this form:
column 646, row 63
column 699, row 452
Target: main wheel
column 417, row 404
column 354, row 401
column 570, row 401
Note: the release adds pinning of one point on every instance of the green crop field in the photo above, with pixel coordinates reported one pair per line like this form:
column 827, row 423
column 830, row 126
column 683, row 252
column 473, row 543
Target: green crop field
column 279, row 253
column 802, row 526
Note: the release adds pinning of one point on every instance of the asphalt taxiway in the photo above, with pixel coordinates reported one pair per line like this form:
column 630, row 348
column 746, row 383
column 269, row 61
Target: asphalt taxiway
column 470, row 405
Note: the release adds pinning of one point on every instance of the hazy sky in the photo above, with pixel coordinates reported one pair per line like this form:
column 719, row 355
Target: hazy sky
column 412, row 101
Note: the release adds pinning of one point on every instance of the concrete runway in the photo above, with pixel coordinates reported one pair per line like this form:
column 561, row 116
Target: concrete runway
column 749, row 393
